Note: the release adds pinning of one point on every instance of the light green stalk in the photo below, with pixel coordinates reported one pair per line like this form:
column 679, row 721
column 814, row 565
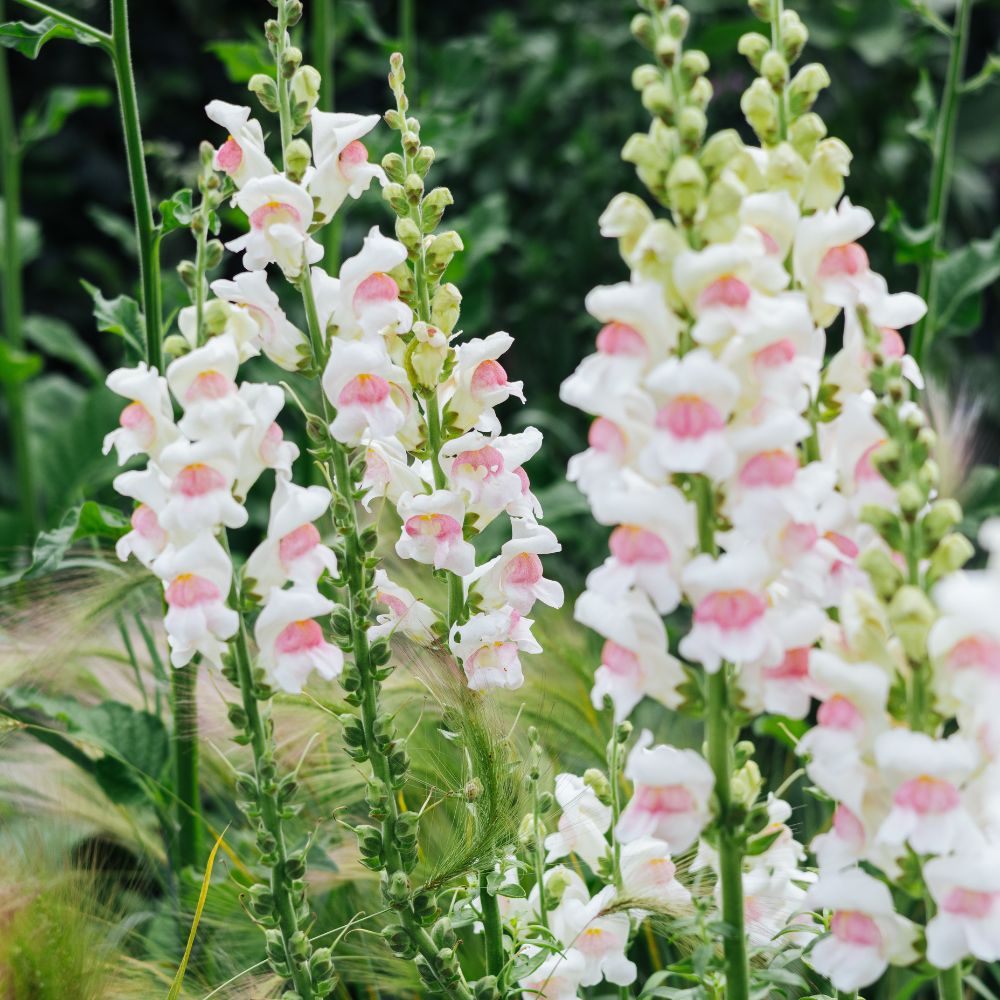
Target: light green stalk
column 941, row 178
column 322, row 38
column 949, row 984
column 146, row 235
column 408, row 35
column 13, row 302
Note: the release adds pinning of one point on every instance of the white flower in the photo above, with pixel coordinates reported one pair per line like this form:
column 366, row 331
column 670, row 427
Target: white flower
column 202, row 474
column 432, row 531
column 557, row 978
column 966, row 891
column 147, row 539
column 866, row 933
column 280, row 214
column 515, row 576
column 649, row 873
column 479, row 383
column 583, row 823
column 291, row 643
column 146, row 425
column 203, row 383
column 342, row 166
column 490, row 645
column 262, row 445
column 388, row 472
column 602, row 939
column 242, row 156
column 406, row 615
column 672, row 792
column 292, row 549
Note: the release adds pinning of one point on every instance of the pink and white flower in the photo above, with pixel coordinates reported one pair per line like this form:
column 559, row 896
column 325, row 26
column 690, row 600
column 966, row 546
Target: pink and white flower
column 583, row 823
column 242, row 157
column 600, row 938
column 966, row 891
column 559, row 977
column 673, row 789
column 291, row 642
column 432, row 531
column 484, row 469
column 342, row 168
column 389, row 473
column 202, row 475
column 489, row 647
column 649, row 873
column 262, row 445
column 147, row 539
column 146, row 425
column 202, row 381
column 406, row 615
column 515, row 577
column 479, row 383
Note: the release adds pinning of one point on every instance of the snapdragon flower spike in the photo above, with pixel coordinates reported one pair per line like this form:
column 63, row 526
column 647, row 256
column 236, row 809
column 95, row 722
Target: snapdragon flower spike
column 489, row 647
column 405, row 615
column 242, row 156
column 583, row 823
column 146, row 425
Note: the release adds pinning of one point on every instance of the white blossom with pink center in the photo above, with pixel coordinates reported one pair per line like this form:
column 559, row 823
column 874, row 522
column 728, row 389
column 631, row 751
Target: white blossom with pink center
column 649, row 873
column 484, row 469
column 292, row 549
column 278, row 338
column 432, row 531
column 601, row 938
column 280, row 214
column 203, row 382
column 489, row 647
column 559, row 977
column 479, row 383
column 926, row 776
column 389, row 473
column 406, row 615
column 515, row 577
column 866, row 934
column 965, row 888
column 634, row 662
column 262, row 445
column 614, row 444
column 223, row 319
column 291, row 642
column 583, row 823
column 362, row 382
column 196, row 579
column 341, row 159
column 672, row 793
column 146, row 424
column 242, row 156
column 147, row 539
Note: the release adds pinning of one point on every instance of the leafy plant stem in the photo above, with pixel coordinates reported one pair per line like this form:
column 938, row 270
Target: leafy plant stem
column 941, row 178
column 949, row 983
column 13, row 302
column 538, row 854
column 492, row 927
column 71, row 22
column 149, row 266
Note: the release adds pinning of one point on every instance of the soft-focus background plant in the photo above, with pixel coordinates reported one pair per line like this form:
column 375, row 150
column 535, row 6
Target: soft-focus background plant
column 527, row 104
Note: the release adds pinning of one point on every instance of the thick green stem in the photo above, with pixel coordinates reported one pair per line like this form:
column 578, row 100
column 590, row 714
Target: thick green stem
column 322, row 38
column 492, row 927
column 944, row 154
column 284, row 103
column 538, row 855
column 13, row 303
column 408, row 35
column 777, row 9
column 270, row 810
column 949, row 984
column 183, row 686
column 146, row 237
column 720, row 737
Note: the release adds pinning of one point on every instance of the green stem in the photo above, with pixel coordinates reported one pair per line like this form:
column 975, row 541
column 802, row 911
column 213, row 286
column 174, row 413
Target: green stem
column 408, row 36
column 13, row 303
column 943, row 154
column 720, row 757
column 71, row 22
column 777, row 9
column 183, row 686
column 949, row 984
column 322, row 44
column 538, row 855
column 616, row 808
column 270, row 808
column 146, row 237
column 284, row 103
column 492, row 927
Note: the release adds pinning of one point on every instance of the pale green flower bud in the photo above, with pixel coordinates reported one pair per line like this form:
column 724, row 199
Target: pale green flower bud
column 911, row 615
column 433, row 207
column 425, row 358
column 176, row 345
column 408, row 233
column 396, row 197
column 760, row 108
column 442, row 248
column 214, row 251
column 423, row 160
column 526, row 830
column 666, row 50
column 686, row 185
column 392, row 164
column 952, row 553
column 655, row 253
column 624, row 219
column 774, row 69
column 445, row 307
column 885, row 522
column 644, row 75
column 701, row 92
column 929, row 475
column 598, row 781
column 657, row 101
column 761, row 9
column 722, row 220
column 805, row 88
column 885, row 575
column 691, row 125
column 805, row 132
column 643, row 30
column 265, row 90
column 911, row 500
column 678, row 21
column 216, row 316
column 694, row 63
column 719, row 151
column 786, row 170
column 297, row 158
column 793, row 35
column 187, row 273
column 291, row 59
column 747, row 784
column 556, row 885
column 753, row 46
column 830, row 164
column 305, row 86
column 293, row 12
column 940, row 519
column 413, row 187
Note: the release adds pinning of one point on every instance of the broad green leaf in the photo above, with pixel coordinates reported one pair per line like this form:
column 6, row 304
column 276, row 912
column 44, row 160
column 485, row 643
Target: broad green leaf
column 96, row 520
column 88, row 520
column 16, row 365
column 47, row 118
column 28, row 39
column 116, row 227
column 120, row 316
column 176, row 212
column 59, row 340
column 135, row 743
column 961, row 276
column 242, row 59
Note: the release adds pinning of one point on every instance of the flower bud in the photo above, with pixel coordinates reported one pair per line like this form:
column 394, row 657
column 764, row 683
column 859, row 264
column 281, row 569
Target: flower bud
column 392, row 164
column 187, row 272
column 761, row 9
column 643, row 30
column 291, row 59
column 885, row 575
column 678, row 21
column 719, row 150
column 413, row 187
column 425, row 356
column 423, row 160
column 793, row 35
column 805, row 88
column 831, row 163
column 445, row 307
column 911, row 500
column 214, row 252
column 691, row 125
column 293, row 12
column 694, row 63
column 805, row 132
column 747, row 784
column 408, row 234
column 951, row 554
column 761, row 111
column 666, row 50
column 265, row 90
column 912, row 614
column 686, row 184
column 753, row 46
column 939, row 520
column 656, row 99
column 305, row 86
column 644, row 75
column 597, row 780
column 297, row 157
column 433, row 208
column 774, row 69
column 885, row 522
column 555, row 885
column 700, row 93
column 442, row 248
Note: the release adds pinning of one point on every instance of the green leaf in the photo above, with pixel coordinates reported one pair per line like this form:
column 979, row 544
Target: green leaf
column 961, row 276
column 59, row 340
column 242, row 59
column 136, row 746
column 985, row 76
column 28, row 39
column 120, row 316
column 95, row 520
column 913, row 245
column 29, row 238
column 88, row 520
column 47, row 118
column 17, row 366
column 176, row 212
column 925, row 100
column 524, row 965
column 512, row 890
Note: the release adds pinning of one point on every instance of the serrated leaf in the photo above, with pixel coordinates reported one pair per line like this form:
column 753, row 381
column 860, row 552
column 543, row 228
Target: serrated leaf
column 176, row 211
column 512, row 890
column 17, row 365
column 120, row 316
column 28, row 39
column 524, row 965
column 59, row 340
column 961, row 276
column 45, row 119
